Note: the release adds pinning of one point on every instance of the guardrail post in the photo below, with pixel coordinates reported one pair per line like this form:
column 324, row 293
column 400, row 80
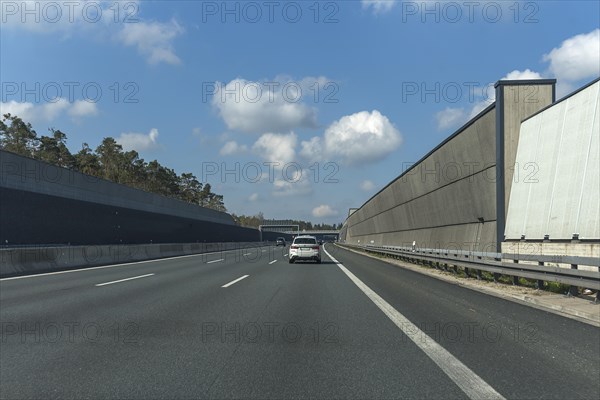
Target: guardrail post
column 573, row 290
column 496, row 277
column 540, row 283
column 478, row 272
column 515, row 279
column 467, row 272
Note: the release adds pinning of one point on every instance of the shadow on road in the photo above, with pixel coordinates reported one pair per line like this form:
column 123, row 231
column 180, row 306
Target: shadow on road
column 313, row 263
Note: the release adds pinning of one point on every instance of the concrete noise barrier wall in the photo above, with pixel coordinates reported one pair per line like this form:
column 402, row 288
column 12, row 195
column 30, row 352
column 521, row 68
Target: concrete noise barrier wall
column 455, row 197
column 562, row 144
column 35, row 259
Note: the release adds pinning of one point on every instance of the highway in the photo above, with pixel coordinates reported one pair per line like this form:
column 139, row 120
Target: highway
column 247, row 324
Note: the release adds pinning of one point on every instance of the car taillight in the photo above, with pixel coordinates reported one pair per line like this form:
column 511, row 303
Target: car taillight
column 293, row 247
column 315, row 247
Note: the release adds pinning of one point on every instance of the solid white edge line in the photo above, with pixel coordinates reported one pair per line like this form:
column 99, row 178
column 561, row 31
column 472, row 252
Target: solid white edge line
column 272, row 262
column 235, row 281
column 214, row 261
column 113, row 265
column 123, row 280
column 467, row 380
column 285, row 255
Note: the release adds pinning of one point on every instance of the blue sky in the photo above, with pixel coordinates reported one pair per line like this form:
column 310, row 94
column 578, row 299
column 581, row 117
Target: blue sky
column 331, row 91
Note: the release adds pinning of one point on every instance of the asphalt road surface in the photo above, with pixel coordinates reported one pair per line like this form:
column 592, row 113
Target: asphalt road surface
column 247, row 324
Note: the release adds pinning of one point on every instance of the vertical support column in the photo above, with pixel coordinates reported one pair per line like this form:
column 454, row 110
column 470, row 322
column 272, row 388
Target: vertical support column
column 515, row 101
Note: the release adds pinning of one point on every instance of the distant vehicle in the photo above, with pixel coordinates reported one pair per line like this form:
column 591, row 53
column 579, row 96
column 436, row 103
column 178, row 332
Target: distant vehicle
column 280, row 242
column 305, row 248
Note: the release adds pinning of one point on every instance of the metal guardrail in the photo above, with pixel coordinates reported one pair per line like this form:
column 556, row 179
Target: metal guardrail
column 493, row 262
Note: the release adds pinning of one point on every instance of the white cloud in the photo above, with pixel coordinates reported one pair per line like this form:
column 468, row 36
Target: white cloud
column 354, row 139
column 139, row 141
column 577, row 57
column 255, row 107
column 450, row 118
column 312, row 149
column 253, row 197
column 563, row 88
column 489, row 93
column 278, row 148
column 379, row 6
column 324, row 211
column 153, row 40
column 48, row 112
column 97, row 20
column 82, row 108
column 521, row 75
column 21, row 110
column 51, row 111
column 232, row 147
column 367, row 185
column 479, row 107
column 293, row 182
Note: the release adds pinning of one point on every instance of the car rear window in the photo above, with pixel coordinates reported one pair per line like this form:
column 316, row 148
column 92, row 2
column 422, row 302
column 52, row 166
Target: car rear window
column 305, row 241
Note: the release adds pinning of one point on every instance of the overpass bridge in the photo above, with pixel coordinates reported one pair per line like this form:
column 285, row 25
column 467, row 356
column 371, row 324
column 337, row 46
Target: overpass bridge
column 284, row 229
column 316, row 232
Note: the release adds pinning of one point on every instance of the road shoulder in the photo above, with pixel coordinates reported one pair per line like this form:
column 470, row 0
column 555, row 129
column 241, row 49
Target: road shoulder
column 576, row 308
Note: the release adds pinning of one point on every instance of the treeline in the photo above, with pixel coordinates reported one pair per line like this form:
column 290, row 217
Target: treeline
column 253, row 221
column 107, row 161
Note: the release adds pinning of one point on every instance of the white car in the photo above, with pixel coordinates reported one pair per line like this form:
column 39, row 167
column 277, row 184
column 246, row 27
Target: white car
column 305, row 248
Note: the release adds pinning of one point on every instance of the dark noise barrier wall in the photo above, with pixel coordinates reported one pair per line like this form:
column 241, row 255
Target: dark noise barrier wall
column 41, row 204
column 456, row 196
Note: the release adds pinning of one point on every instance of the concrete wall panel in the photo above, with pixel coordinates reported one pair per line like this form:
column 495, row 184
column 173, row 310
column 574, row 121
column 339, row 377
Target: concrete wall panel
column 441, row 199
column 563, row 143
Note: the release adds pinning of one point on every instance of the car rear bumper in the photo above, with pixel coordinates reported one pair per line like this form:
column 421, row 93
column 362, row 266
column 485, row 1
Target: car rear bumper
column 305, row 256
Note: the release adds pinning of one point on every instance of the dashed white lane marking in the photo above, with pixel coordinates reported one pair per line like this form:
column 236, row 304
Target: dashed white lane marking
column 214, row 261
column 272, row 262
column 114, row 265
column 123, row 280
column 235, row 281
